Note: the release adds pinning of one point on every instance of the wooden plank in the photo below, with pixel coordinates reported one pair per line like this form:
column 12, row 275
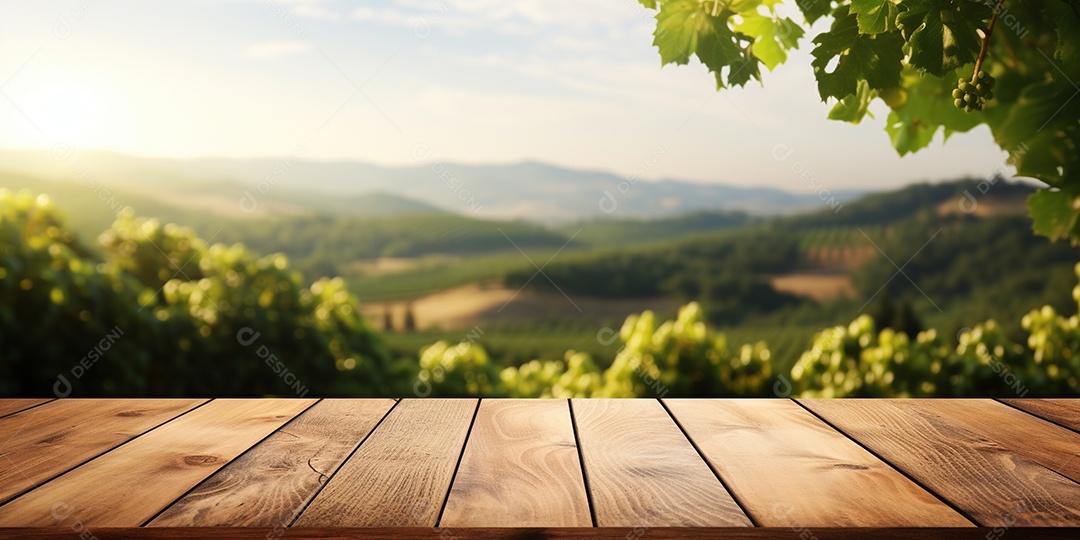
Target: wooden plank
column 520, row 469
column 992, row 484
column 400, row 475
column 788, row 468
column 1046, row 443
column 12, row 406
column 564, row 533
column 643, row 472
column 272, row 482
column 43, row 442
column 130, row 484
column 1063, row 411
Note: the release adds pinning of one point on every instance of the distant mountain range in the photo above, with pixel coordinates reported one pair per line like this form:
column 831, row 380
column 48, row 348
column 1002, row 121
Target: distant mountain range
column 530, row 191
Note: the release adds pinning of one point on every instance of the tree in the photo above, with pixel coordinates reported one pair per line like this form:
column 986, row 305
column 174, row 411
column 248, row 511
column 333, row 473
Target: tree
column 939, row 65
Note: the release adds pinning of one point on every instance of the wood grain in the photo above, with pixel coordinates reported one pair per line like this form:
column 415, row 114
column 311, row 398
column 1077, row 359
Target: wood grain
column 268, row 485
column 129, row 485
column 400, row 475
column 564, row 533
column 520, row 469
column 43, row 442
column 1064, row 411
column 12, row 406
column 238, row 462
column 1046, row 443
column 994, row 485
column 787, row 468
column 643, row 472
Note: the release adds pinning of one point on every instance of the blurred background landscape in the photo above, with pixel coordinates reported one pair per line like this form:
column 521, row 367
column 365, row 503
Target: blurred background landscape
column 432, row 198
column 346, row 288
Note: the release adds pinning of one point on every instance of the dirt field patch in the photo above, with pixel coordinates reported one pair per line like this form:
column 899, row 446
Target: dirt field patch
column 815, row 285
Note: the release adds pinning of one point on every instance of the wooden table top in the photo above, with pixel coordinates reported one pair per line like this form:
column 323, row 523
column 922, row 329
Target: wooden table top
column 507, row 468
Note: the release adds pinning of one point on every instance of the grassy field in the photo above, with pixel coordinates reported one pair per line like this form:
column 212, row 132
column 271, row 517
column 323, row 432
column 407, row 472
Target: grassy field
column 786, row 343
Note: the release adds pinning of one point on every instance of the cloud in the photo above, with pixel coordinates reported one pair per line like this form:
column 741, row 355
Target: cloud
column 507, row 17
column 276, row 49
column 385, row 16
column 315, row 11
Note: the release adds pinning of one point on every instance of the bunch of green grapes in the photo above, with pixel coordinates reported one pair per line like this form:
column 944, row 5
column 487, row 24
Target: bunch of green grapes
column 463, row 369
column 1054, row 340
column 858, row 360
column 574, row 376
column 832, row 365
column 532, row 379
column 972, row 95
column 683, row 358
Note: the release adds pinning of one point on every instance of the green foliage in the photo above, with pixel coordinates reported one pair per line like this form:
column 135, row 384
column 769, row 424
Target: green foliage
column 163, row 313
column 684, row 357
column 732, row 38
column 1054, row 344
column 576, row 375
column 463, row 369
column 686, row 266
column 334, row 245
column 155, row 310
column 59, row 307
column 963, row 269
column 606, row 233
column 677, row 358
column 909, row 53
column 943, row 35
column 860, row 57
column 911, row 201
column 858, row 360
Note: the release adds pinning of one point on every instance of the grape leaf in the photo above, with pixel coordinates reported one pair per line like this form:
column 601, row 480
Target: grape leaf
column 719, row 47
column 676, row 34
column 943, row 34
column 1042, row 157
column 740, row 72
column 853, row 107
column 907, row 133
column 1068, row 31
column 1038, row 128
column 875, row 16
column 688, row 27
column 651, row 4
column 877, row 59
column 814, row 9
column 772, row 37
column 1052, row 213
column 928, row 108
column 789, row 32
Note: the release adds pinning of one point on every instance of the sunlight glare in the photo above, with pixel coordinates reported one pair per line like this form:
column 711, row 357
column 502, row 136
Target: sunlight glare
column 79, row 110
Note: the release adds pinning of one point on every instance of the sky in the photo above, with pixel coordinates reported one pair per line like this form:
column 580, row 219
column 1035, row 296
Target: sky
column 575, row 83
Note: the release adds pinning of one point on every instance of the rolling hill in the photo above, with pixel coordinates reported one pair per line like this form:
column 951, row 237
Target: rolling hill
column 530, row 190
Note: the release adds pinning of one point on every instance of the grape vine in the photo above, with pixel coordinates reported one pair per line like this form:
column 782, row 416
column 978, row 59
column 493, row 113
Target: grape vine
column 932, row 62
